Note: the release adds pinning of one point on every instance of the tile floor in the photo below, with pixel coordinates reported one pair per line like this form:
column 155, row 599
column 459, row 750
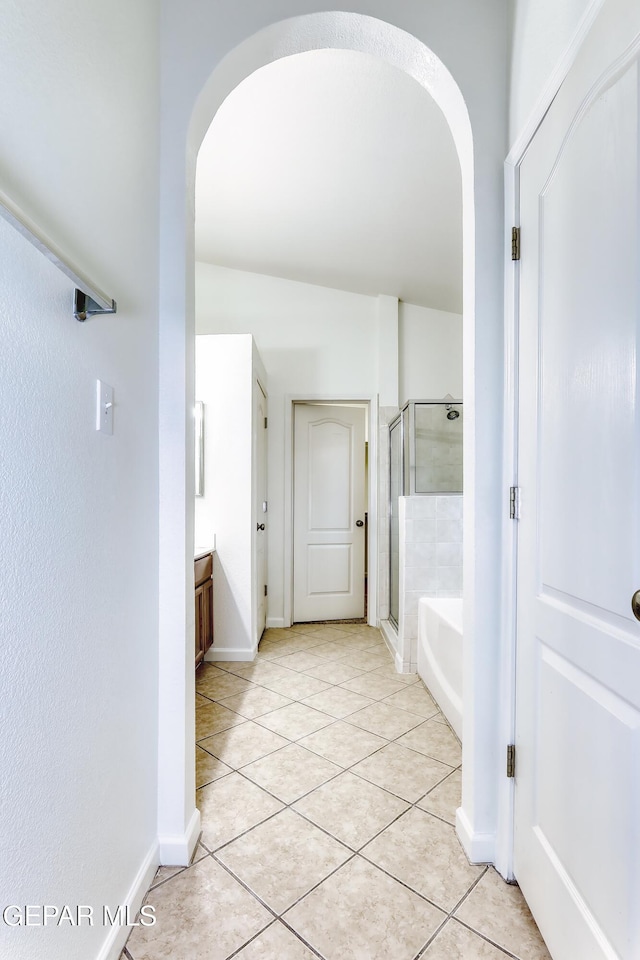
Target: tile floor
column 327, row 785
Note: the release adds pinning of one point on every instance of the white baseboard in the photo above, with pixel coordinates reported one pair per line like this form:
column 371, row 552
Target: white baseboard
column 391, row 639
column 276, row 623
column 230, row 654
column 479, row 847
column 389, row 636
column 177, row 851
column 117, row 935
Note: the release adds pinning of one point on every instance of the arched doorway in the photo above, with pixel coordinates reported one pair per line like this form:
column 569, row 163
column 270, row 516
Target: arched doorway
column 178, row 819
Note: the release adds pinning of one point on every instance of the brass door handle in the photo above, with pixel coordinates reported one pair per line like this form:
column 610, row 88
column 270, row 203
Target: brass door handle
column 359, row 523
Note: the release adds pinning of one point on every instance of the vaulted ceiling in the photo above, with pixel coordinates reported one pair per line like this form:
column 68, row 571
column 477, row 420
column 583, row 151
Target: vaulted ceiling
column 334, row 168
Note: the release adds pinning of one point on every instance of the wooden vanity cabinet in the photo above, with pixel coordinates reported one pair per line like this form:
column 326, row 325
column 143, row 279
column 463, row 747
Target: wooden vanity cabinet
column 203, row 571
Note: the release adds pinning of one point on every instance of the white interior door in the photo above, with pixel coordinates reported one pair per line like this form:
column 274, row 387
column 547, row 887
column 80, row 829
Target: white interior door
column 261, row 506
column 329, row 512
column 577, row 827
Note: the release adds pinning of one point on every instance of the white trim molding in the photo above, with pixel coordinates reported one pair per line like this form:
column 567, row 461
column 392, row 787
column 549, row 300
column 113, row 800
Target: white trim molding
column 390, row 637
column 118, row 935
column 554, row 82
column 371, row 402
column 504, row 839
column 479, row 847
column 177, row 851
column 230, row 654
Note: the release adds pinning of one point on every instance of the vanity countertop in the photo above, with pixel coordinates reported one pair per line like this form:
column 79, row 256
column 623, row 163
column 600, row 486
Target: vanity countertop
column 204, row 544
column 199, row 554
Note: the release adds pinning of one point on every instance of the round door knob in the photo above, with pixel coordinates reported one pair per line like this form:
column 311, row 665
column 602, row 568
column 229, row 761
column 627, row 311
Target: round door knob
column 261, row 526
column 359, row 523
column 635, row 604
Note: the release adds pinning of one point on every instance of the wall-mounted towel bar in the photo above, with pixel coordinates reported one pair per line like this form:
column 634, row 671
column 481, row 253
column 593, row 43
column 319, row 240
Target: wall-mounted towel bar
column 89, row 300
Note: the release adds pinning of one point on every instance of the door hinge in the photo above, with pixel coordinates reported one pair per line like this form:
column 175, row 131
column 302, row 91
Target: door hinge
column 511, row 760
column 265, row 589
column 515, row 243
column 514, row 503
column 265, row 423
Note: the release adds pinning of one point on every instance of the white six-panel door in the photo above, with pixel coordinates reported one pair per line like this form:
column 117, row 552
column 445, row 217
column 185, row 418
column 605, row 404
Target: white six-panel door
column 328, row 511
column 577, row 827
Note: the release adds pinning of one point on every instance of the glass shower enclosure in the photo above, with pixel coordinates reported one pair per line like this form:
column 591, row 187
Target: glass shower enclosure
column 425, row 458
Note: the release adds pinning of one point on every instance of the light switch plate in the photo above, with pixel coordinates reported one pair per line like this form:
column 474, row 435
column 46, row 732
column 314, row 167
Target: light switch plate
column 104, row 407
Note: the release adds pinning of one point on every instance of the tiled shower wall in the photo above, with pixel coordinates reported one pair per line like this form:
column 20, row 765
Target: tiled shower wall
column 430, row 557
column 438, row 453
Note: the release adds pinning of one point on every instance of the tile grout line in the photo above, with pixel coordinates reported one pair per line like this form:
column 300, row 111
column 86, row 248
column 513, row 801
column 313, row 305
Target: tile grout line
column 471, row 888
column 285, row 806
column 246, row 887
column 299, row 936
column 290, row 804
column 275, row 913
column 271, row 710
column 268, row 927
column 434, row 936
column 412, row 802
column 412, row 805
column 450, row 915
column 348, row 769
column 487, row 939
column 161, row 883
column 322, row 661
column 471, row 929
column 253, row 938
column 422, row 720
column 333, row 721
column 315, row 887
column 355, row 853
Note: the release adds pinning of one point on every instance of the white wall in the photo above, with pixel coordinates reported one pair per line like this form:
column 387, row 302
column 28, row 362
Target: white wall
column 225, row 373
column 313, row 341
column 310, row 338
column 78, row 510
column 430, row 353
column 541, row 32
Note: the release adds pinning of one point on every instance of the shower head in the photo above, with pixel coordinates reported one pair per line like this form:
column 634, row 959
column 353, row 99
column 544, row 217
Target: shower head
column 451, row 413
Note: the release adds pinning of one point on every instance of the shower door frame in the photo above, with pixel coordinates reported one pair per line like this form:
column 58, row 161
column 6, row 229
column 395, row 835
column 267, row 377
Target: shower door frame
column 397, row 421
column 408, row 477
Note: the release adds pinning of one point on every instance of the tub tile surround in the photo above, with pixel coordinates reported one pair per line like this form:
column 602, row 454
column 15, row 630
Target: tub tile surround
column 335, row 844
column 430, row 561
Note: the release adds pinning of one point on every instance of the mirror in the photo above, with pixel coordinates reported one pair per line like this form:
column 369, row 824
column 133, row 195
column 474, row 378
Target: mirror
column 199, row 427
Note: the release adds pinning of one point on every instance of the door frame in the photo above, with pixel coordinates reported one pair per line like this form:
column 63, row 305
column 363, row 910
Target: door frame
column 371, row 402
column 259, row 378
column 504, row 849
